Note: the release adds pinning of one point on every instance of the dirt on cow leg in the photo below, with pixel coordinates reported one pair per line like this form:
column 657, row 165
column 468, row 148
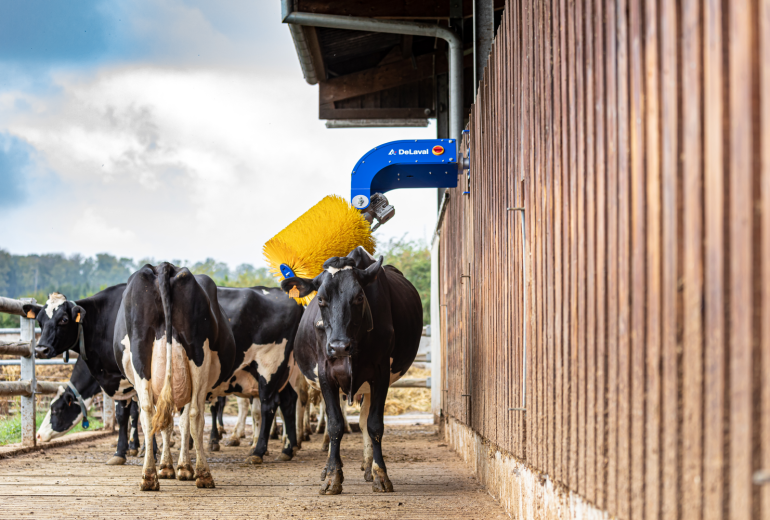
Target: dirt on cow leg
column 332, row 484
column 381, row 483
column 185, row 472
column 167, row 471
column 150, row 481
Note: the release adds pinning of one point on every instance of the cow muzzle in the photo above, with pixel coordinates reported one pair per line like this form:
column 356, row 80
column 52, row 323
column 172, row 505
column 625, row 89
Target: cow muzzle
column 44, row 352
column 338, row 349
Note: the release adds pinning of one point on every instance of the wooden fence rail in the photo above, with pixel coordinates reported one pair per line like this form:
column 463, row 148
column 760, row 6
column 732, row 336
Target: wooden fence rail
column 635, row 135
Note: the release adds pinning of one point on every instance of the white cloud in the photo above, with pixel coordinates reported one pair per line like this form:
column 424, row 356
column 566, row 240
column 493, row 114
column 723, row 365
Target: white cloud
column 192, row 163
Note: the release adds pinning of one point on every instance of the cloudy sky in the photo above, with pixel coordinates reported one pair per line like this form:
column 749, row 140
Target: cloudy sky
column 167, row 129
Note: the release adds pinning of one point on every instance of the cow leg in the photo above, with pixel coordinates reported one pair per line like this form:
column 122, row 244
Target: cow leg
column 366, row 465
column 133, row 443
column 166, row 463
column 149, row 473
column 325, row 443
column 332, row 474
column 256, row 420
column 274, row 427
column 240, row 425
column 344, row 408
column 302, row 402
column 288, row 399
column 375, row 425
column 222, row 402
column 321, row 426
column 184, row 469
column 214, row 437
column 122, row 418
column 268, row 405
column 203, row 478
column 306, row 424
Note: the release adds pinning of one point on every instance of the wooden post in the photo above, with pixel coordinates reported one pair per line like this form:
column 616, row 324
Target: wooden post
column 108, row 412
column 28, row 374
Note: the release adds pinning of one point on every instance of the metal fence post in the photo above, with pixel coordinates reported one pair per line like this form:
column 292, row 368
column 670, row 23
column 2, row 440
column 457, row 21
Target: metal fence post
column 28, row 414
column 108, row 412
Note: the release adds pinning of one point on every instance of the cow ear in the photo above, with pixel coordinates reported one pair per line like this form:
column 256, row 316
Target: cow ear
column 78, row 314
column 31, row 310
column 297, row 287
column 368, row 275
column 68, row 399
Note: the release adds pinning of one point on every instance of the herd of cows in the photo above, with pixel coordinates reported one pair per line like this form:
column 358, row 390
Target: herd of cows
column 171, row 341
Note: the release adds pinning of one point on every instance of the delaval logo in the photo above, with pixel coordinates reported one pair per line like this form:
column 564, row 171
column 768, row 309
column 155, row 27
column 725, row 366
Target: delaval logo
column 409, row 152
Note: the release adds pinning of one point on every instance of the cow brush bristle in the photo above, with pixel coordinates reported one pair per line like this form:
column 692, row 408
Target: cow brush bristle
column 330, row 228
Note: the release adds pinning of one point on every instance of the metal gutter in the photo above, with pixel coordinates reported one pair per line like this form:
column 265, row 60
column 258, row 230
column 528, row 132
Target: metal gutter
column 303, row 53
column 354, row 23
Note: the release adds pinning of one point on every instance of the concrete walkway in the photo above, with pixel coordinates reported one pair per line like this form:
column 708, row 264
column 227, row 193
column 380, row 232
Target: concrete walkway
column 73, row 482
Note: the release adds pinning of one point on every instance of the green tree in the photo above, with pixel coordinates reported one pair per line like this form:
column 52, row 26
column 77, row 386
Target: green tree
column 412, row 258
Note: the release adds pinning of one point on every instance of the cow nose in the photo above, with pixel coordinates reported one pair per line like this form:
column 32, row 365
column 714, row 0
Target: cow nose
column 338, row 348
column 43, row 352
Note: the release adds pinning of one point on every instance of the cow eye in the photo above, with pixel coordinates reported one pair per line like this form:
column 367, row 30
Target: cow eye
column 64, row 321
column 322, row 302
column 359, row 298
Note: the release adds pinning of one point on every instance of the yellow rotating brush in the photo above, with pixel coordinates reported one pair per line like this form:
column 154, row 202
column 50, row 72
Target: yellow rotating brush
column 330, row 228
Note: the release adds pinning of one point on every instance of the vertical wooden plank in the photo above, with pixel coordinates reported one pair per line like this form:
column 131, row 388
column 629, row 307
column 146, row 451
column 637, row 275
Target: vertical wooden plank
column 638, row 259
column 591, row 275
column 692, row 347
column 559, row 132
column 573, row 258
column 612, row 256
column 741, row 283
column 652, row 419
column 714, row 505
column 624, row 263
column 764, row 31
column 580, row 227
column 669, row 169
column 601, row 260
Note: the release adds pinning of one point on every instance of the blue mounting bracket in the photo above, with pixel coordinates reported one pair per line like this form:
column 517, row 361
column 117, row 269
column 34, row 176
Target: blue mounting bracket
column 418, row 163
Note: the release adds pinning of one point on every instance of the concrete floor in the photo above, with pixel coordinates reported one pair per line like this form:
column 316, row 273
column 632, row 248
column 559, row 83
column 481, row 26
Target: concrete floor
column 429, row 480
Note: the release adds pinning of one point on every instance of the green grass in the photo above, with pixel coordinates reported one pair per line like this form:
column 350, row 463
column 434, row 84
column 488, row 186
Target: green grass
column 10, row 427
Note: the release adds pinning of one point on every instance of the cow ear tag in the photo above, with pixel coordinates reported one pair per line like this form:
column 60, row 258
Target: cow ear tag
column 30, row 314
column 85, row 424
column 77, row 318
column 294, row 292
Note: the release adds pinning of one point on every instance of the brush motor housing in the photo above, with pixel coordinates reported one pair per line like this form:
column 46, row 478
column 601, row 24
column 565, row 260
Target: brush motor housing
column 416, row 163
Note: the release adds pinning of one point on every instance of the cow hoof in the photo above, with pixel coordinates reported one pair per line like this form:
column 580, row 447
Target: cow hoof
column 243, row 435
column 283, row 457
column 116, row 461
column 320, row 428
column 214, row 447
column 323, row 471
column 171, row 442
column 232, row 442
column 254, row 459
column 306, row 437
column 381, row 481
column 150, row 482
column 295, row 449
column 185, row 472
column 367, row 469
column 141, row 452
column 205, row 481
column 333, row 484
column 325, row 446
column 167, row 471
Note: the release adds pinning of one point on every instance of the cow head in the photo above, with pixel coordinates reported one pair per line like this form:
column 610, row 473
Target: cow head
column 64, row 414
column 342, row 301
column 59, row 320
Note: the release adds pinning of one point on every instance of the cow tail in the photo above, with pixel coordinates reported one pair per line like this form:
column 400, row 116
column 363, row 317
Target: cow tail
column 165, row 407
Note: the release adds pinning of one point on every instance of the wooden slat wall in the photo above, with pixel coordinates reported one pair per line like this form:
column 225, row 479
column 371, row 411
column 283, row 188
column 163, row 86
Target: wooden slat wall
column 635, row 135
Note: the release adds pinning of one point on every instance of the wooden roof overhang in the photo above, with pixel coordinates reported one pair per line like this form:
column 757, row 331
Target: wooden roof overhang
column 379, row 77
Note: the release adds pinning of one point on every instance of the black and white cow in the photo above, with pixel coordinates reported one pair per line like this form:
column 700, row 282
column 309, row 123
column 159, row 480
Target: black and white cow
column 86, row 326
column 358, row 335
column 264, row 322
column 65, row 412
column 173, row 343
